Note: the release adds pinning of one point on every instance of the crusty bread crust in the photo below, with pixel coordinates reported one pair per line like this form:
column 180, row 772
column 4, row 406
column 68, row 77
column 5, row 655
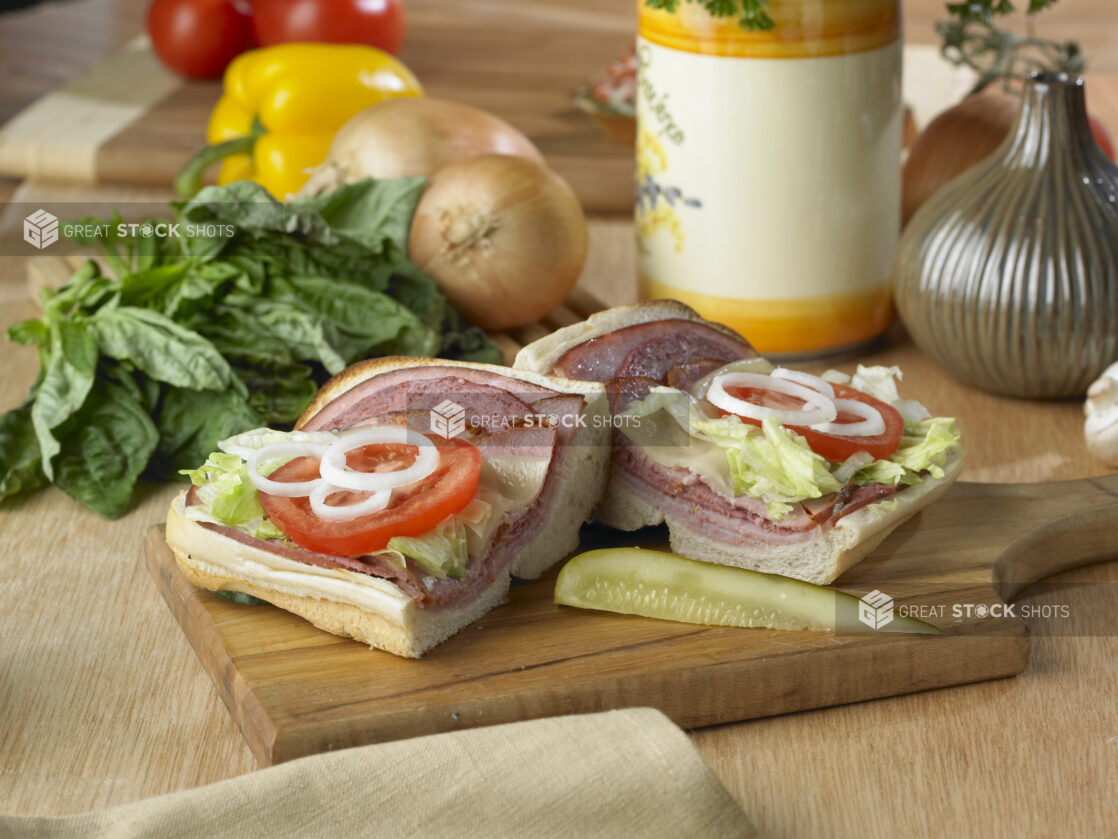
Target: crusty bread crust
column 413, row 630
column 541, row 356
column 362, row 371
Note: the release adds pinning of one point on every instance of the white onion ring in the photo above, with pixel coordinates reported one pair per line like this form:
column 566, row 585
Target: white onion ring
column 806, row 379
column 284, row 489
column 334, row 469
column 344, row 512
column 823, row 410
column 872, row 423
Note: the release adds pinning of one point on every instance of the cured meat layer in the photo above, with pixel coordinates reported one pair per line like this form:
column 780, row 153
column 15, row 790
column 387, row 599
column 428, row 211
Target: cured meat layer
column 649, row 350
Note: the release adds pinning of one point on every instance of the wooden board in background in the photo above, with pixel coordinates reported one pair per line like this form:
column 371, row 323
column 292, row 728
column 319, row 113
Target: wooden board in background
column 295, row 690
column 129, row 120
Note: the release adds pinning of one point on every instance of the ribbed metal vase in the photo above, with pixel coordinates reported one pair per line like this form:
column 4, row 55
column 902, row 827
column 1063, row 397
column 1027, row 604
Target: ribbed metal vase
column 1008, row 276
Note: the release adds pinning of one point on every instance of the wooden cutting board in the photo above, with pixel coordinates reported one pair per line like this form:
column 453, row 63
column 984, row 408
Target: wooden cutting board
column 295, row 690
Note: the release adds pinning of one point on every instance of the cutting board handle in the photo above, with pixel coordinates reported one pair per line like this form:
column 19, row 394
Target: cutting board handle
column 1061, row 540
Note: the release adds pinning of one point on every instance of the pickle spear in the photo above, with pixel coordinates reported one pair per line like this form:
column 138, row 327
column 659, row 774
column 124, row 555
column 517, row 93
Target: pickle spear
column 655, row 584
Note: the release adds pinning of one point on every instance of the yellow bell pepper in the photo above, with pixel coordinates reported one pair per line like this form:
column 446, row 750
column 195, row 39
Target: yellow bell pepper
column 282, row 106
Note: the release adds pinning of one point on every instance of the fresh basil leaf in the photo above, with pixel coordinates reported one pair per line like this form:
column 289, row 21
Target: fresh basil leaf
column 123, row 374
column 254, row 263
column 105, row 447
column 240, row 337
column 68, row 377
column 20, row 465
column 253, row 211
column 279, row 393
column 86, row 290
column 466, row 342
column 447, row 335
column 192, row 422
column 217, row 331
column 406, row 283
column 197, row 291
column 144, row 389
column 308, row 335
column 356, row 310
column 29, row 333
column 345, row 261
column 161, row 348
column 144, row 287
column 374, row 214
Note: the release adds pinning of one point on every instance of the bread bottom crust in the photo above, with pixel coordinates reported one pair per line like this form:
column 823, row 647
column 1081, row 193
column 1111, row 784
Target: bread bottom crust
column 422, row 630
column 820, row 559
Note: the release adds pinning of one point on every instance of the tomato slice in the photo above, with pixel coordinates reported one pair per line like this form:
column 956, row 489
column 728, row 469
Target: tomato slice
column 413, row 510
column 834, row 447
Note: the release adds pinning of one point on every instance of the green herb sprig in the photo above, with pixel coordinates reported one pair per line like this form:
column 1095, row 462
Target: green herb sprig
column 751, row 14
column 973, row 39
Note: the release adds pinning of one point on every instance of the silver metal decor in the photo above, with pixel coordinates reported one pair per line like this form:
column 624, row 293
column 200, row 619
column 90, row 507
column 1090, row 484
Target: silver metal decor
column 1008, row 276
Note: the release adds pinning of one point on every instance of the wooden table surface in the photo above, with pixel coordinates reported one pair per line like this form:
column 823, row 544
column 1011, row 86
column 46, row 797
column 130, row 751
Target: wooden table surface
column 102, row 701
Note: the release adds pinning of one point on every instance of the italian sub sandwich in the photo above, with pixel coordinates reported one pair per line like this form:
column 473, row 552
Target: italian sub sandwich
column 749, row 465
column 407, row 495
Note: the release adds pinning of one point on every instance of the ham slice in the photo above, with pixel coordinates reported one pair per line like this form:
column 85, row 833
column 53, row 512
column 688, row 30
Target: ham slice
column 491, row 402
column 649, row 349
column 685, row 375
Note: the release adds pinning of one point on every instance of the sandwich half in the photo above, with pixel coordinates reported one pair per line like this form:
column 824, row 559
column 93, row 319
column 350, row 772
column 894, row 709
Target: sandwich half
column 409, row 493
column 750, row 465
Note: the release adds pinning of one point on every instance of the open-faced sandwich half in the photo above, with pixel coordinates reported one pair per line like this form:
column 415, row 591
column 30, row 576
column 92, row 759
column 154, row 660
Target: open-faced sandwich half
column 408, row 494
column 749, row 464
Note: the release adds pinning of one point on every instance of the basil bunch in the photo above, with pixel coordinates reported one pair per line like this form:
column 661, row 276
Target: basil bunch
column 199, row 337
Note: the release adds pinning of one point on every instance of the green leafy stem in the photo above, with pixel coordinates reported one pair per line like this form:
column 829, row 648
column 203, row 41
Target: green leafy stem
column 751, row 14
column 971, row 38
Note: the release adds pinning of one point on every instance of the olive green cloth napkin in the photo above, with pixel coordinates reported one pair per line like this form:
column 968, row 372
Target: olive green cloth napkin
column 629, row 773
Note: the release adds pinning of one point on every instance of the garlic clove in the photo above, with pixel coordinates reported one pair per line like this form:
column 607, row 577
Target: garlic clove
column 1101, row 408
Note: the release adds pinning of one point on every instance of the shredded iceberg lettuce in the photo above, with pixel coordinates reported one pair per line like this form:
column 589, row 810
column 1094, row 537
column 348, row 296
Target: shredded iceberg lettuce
column 226, row 496
column 770, row 463
column 779, row 467
column 926, row 445
column 879, row 382
column 884, row 472
column 441, row 553
column 774, row 463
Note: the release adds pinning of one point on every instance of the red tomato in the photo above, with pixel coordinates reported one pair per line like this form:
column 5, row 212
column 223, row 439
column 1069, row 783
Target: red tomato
column 832, row 446
column 199, row 38
column 1102, row 137
column 378, row 23
column 413, row 511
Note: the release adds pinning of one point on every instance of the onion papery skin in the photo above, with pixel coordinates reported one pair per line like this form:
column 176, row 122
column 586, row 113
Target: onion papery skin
column 504, row 238
column 414, row 136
